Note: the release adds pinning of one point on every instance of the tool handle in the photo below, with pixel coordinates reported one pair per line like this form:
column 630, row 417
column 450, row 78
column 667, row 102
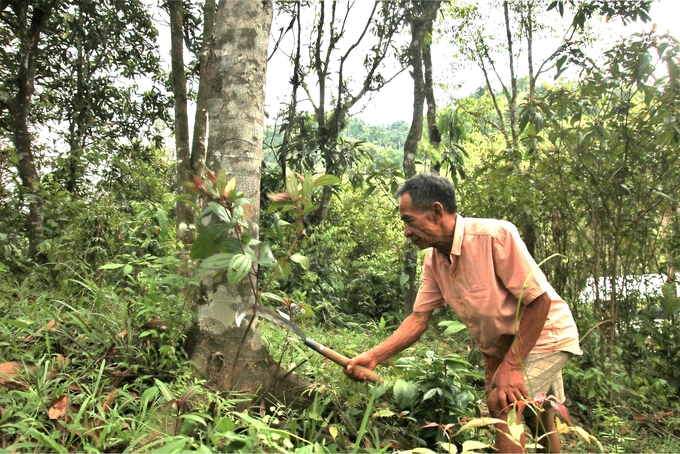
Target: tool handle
column 341, row 360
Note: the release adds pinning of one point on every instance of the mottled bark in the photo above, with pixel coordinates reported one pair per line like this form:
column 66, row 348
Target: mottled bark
column 236, row 115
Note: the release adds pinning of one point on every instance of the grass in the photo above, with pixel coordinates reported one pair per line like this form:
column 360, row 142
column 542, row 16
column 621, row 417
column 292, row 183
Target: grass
column 96, row 377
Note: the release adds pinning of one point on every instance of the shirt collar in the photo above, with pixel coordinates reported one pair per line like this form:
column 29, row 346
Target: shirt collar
column 458, row 235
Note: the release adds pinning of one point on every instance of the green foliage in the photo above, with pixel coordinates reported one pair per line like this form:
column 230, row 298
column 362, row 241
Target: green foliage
column 354, row 260
column 436, row 388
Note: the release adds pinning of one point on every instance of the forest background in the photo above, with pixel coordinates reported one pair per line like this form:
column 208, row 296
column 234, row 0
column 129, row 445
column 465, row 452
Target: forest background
column 111, row 286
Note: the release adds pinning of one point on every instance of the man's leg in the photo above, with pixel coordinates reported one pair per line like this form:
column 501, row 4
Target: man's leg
column 543, row 374
column 542, row 426
column 504, row 441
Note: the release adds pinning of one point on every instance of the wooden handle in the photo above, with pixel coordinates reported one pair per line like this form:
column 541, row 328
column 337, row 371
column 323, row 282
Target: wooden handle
column 341, row 360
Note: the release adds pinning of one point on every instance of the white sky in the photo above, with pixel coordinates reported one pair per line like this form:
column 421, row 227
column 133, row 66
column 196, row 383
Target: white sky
column 395, row 101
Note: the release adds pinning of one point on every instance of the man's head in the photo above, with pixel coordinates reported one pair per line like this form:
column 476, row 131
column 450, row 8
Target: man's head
column 426, row 188
column 427, row 206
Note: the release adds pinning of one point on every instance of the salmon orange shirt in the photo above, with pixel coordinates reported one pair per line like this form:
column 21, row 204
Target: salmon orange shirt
column 489, row 272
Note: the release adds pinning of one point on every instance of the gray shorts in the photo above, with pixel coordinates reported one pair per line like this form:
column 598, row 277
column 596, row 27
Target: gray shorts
column 543, row 373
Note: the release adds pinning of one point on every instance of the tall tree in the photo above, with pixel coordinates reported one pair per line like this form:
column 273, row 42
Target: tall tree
column 190, row 158
column 420, row 15
column 69, row 67
column 24, row 23
column 231, row 357
column 184, row 217
column 330, row 87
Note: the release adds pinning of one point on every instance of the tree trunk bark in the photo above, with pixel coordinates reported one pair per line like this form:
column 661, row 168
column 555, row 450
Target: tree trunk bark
column 29, row 32
column 236, row 115
column 207, row 61
column 185, row 216
column 419, row 25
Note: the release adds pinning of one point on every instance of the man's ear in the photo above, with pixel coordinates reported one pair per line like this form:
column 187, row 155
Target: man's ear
column 437, row 211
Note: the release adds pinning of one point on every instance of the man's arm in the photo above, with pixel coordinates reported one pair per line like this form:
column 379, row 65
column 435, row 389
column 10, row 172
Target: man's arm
column 508, row 380
column 408, row 333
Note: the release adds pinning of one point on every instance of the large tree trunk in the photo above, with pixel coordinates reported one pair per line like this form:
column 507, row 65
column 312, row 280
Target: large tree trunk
column 419, row 25
column 236, row 115
column 185, row 216
column 28, row 30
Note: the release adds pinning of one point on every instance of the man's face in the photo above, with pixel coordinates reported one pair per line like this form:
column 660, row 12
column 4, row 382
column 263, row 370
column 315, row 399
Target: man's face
column 419, row 226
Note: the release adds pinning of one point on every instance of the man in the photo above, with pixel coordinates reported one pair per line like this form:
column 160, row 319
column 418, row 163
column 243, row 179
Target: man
column 483, row 270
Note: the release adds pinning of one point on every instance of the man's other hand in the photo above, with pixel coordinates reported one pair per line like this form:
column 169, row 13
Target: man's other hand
column 365, row 359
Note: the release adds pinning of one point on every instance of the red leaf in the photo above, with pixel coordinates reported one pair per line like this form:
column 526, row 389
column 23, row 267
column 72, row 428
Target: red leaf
column 560, row 409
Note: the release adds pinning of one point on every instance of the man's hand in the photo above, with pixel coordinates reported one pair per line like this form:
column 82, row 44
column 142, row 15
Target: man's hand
column 365, row 359
column 506, row 387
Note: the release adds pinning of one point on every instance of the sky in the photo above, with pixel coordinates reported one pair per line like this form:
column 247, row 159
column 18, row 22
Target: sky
column 394, row 102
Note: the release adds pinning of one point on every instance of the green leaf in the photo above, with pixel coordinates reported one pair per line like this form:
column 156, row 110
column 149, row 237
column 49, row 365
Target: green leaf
column 326, row 180
column 221, row 182
column 217, row 261
column 167, row 395
column 127, row 269
column 208, row 240
column 219, row 211
column 405, row 393
column 16, row 323
column 195, row 418
column 292, row 185
column 111, row 266
column 239, row 267
column 300, row 260
column 271, row 296
column 452, row 326
column 308, row 186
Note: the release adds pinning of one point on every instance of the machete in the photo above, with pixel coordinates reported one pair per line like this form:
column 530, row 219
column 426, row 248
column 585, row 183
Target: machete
column 248, row 309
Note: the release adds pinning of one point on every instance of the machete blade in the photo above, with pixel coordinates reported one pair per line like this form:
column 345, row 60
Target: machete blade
column 248, row 309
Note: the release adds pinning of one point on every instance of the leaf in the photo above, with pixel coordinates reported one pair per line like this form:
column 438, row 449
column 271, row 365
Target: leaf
column 217, row 261
column 10, row 371
column 195, row 418
column 561, row 410
column 470, row 445
column 272, row 296
column 292, row 186
column 300, row 260
column 50, row 327
column 208, row 240
column 58, row 408
column 333, row 431
column 163, row 388
column 423, row 451
column 404, row 393
column 479, row 422
column 452, row 326
column 383, row 413
column 326, row 180
column 449, row 447
column 111, row 266
column 239, row 267
column 221, row 182
column 219, row 210
column 308, row 186
column 127, row 269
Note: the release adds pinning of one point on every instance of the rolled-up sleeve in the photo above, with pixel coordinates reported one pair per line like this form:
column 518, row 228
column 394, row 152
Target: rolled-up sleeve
column 429, row 295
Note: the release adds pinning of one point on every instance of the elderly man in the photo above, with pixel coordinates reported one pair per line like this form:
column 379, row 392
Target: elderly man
column 483, row 270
